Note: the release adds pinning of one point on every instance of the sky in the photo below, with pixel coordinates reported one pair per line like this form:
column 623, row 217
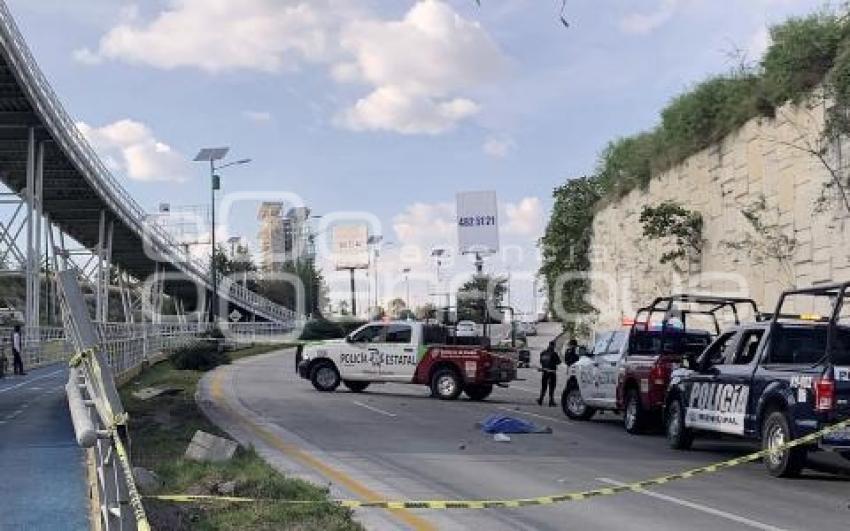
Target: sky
column 383, row 107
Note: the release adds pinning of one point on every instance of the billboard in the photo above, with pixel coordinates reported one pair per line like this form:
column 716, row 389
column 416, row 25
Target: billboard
column 350, row 246
column 477, row 222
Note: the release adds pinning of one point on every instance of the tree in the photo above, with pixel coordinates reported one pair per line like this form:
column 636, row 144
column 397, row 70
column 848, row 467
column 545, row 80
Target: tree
column 241, row 262
column 670, row 222
column 426, row 311
column 397, row 307
column 481, row 297
column 566, row 250
column 285, row 292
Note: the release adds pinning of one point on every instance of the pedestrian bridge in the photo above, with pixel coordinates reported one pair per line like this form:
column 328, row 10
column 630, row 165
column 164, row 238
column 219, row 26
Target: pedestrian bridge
column 65, row 189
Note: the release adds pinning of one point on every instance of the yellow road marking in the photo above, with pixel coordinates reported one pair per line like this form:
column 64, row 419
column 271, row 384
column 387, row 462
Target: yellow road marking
column 297, row 453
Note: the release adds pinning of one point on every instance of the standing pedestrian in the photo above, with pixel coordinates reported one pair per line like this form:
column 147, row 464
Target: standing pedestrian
column 549, row 361
column 17, row 350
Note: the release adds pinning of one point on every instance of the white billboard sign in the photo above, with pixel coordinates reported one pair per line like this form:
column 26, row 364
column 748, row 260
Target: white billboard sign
column 350, row 246
column 477, row 222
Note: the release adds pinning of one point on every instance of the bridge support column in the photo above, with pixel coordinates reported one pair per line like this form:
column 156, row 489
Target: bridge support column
column 33, row 200
column 106, row 229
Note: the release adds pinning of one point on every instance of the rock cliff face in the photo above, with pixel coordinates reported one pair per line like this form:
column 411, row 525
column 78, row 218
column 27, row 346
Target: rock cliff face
column 765, row 167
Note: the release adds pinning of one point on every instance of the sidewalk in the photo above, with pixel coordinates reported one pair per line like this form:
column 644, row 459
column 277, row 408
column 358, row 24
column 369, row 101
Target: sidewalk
column 42, row 470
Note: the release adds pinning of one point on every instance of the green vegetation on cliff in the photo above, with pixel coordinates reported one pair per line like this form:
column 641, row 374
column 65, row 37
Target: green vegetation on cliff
column 805, row 53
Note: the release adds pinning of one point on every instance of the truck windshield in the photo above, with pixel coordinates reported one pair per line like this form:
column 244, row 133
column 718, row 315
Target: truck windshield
column 806, row 345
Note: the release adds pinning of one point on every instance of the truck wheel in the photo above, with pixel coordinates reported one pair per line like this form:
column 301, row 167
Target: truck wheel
column 478, row 392
column 324, row 377
column 574, row 406
column 785, row 463
column 634, row 417
column 446, row 384
column 678, row 436
column 355, row 387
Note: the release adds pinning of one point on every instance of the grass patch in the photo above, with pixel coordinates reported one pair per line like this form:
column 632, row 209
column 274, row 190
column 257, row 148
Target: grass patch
column 161, row 429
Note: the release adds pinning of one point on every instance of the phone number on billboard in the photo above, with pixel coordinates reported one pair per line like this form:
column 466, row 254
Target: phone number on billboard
column 476, row 221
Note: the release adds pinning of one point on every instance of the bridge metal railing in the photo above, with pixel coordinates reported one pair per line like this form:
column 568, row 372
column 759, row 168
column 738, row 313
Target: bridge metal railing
column 102, row 354
column 120, row 202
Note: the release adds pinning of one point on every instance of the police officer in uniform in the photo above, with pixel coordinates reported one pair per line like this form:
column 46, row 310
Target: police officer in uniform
column 549, row 361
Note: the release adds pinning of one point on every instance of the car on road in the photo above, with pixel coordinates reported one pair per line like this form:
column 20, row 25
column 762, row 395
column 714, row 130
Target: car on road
column 771, row 381
column 466, row 329
column 592, row 380
column 407, row 352
column 662, row 335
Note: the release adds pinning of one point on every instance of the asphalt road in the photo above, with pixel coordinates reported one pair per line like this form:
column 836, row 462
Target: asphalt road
column 42, row 470
column 404, row 445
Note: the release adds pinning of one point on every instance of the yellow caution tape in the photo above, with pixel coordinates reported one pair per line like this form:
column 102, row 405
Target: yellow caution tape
column 132, row 492
column 80, row 357
column 528, row 502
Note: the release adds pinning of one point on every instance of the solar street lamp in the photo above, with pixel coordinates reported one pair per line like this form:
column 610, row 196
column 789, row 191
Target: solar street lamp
column 213, row 155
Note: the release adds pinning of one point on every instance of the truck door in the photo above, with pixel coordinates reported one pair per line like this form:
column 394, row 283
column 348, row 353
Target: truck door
column 362, row 358
column 607, row 369
column 399, row 353
column 589, row 373
column 720, row 396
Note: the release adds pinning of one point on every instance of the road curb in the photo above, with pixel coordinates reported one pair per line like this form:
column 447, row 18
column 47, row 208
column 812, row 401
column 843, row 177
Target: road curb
column 251, row 430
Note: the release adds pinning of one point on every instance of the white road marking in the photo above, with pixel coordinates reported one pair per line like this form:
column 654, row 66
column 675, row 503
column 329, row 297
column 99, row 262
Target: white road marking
column 31, row 380
column 521, row 412
column 376, row 410
column 699, row 507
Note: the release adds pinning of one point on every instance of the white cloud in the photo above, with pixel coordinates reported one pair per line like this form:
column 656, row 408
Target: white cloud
column 390, row 108
column 426, row 225
column 420, row 67
column 222, row 35
column 498, row 146
column 258, row 116
column 759, row 43
column 643, row 23
column 525, row 218
column 129, row 147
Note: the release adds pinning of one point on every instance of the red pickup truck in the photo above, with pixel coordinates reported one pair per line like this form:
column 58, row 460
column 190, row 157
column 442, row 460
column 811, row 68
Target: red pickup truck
column 665, row 333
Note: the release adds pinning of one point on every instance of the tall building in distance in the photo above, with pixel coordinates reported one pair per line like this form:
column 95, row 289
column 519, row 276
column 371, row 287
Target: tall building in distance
column 283, row 238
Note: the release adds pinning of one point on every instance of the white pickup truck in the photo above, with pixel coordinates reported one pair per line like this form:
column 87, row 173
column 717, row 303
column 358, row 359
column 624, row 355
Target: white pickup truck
column 407, row 352
column 592, row 380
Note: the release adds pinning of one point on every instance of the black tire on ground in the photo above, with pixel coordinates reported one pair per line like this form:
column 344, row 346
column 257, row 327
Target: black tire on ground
column 446, row 384
column 776, row 431
column 355, row 387
column 678, row 436
column 324, row 377
column 478, row 392
column 634, row 417
column 573, row 404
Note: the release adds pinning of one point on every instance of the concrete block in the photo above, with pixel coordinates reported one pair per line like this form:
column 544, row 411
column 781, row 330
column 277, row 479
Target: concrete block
column 208, row 447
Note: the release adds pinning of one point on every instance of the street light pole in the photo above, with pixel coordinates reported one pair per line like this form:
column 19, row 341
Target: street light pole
column 406, row 272
column 212, row 155
column 213, row 272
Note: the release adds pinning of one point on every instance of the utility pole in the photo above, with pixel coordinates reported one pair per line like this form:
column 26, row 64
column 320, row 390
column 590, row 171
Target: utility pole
column 353, row 293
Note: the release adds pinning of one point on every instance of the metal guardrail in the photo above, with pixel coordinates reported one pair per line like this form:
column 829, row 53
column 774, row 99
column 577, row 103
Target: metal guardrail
column 105, row 352
column 45, row 101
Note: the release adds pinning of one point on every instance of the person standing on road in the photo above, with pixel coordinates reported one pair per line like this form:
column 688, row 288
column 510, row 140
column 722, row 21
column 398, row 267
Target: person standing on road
column 17, row 350
column 549, row 361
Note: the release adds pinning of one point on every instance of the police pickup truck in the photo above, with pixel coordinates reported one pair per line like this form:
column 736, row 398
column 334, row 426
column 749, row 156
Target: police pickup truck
column 664, row 334
column 771, row 381
column 592, row 380
column 408, row 352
